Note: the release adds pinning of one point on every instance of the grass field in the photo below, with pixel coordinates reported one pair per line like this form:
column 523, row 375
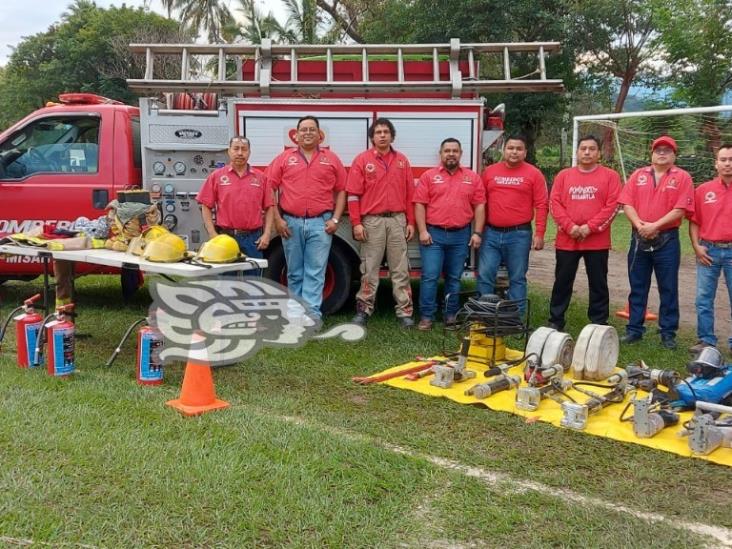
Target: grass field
column 306, row 458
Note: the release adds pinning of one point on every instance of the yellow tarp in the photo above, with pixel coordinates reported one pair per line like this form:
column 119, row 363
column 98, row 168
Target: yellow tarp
column 604, row 423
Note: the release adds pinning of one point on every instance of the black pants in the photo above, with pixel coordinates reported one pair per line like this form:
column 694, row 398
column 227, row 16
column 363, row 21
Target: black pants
column 564, row 275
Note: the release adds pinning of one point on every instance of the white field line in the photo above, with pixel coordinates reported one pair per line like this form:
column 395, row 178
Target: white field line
column 722, row 536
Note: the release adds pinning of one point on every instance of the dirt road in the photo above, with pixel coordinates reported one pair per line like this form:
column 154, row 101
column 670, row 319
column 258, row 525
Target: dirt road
column 541, row 273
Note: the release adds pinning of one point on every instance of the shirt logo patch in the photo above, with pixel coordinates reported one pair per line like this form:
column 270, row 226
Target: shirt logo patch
column 513, row 181
column 582, row 192
column 370, row 167
column 292, row 160
column 467, row 180
column 642, row 180
column 437, row 179
column 401, row 163
column 324, row 160
column 225, row 180
column 255, row 182
column 672, row 184
column 710, row 197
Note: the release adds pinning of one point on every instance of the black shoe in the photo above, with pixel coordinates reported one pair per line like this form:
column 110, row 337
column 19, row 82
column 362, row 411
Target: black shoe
column 630, row 338
column 360, row 318
column 451, row 323
column 554, row 326
column 406, row 322
column 669, row 342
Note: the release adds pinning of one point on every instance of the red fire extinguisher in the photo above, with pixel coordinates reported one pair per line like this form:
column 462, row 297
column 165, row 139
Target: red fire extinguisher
column 59, row 334
column 149, row 347
column 27, row 327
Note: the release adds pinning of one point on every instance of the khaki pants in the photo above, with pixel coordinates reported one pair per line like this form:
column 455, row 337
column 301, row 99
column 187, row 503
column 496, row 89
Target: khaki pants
column 63, row 271
column 385, row 234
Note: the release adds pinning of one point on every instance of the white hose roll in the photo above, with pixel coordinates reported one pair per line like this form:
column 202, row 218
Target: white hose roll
column 602, row 353
column 536, row 342
column 580, row 351
column 558, row 349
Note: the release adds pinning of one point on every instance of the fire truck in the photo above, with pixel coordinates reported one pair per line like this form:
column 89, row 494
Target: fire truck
column 72, row 157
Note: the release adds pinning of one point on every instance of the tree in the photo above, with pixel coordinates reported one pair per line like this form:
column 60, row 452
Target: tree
column 618, row 41
column 210, row 16
column 83, row 52
column 255, row 25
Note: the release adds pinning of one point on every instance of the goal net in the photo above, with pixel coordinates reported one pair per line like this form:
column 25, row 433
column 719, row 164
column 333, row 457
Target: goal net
column 626, row 137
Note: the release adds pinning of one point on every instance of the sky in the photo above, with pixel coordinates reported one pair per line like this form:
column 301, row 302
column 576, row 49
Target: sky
column 28, row 17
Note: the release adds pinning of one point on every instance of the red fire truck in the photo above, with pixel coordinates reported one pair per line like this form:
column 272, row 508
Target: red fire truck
column 72, row 157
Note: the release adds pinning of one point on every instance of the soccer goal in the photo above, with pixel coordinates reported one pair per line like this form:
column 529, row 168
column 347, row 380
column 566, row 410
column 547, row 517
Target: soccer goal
column 626, row 137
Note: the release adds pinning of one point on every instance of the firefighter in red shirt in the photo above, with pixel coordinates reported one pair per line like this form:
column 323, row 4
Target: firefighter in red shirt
column 711, row 235
column 380, row 186
column 447, row 198
column 583, row 202
column 655, row 199
column 311, row 181
column 515, row 192
column 242, row 199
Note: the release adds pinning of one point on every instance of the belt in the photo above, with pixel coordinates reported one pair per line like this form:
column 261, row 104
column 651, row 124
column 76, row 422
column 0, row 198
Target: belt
column 385, row 214
column 237, row 232
column 450, row 229
column 718, row 243
column 522, row 227
column 306, row 216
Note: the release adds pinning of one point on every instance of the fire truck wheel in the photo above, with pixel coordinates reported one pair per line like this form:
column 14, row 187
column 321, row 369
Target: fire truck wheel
column 337, row 276
column 21, row 278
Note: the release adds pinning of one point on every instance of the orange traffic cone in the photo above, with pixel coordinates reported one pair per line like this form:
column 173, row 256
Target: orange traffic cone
column 197, row 394
column 625, row 313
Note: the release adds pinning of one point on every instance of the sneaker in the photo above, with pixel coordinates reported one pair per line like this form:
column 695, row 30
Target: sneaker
column 630, row 338
column 669, row 342
column 425, row 325
column 699, row 347
column 360, row 318
column 406, row 322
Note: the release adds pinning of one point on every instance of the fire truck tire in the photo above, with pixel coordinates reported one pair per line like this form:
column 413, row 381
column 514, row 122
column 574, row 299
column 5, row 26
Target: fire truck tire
column 337, row 276
column 21, row 278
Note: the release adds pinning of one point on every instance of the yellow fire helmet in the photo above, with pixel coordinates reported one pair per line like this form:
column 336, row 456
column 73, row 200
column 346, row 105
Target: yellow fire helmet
column 221, row 248
column 137, row 244
column 168, row 248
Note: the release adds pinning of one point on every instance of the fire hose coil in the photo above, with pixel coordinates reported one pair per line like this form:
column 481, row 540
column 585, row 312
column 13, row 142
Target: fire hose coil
column 596, row 352
column 551, row 346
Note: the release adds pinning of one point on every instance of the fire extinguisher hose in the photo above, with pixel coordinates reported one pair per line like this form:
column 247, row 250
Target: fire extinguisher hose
column 118, row 350
column 7, row 321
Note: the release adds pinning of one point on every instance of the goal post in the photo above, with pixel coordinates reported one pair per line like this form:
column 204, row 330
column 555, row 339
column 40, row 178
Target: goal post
column 627, row 137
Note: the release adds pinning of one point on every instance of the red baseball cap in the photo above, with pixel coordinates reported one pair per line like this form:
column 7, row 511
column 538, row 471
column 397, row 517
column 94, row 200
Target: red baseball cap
column 665, row 140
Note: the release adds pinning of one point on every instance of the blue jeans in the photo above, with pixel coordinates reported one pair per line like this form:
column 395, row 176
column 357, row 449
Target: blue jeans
column 306, row 254
column 706, row 290
column 665, row 263
column 510, row 248
column 447, row 254
column 248, row 246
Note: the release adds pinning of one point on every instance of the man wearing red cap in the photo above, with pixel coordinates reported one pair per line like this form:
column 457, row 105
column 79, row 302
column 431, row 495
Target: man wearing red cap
column 655, row 199
column 711, row 235
column 584, row 200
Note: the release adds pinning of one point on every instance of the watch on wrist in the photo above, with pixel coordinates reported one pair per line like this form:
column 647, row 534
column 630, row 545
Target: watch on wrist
column 335, row 220
column 476, row 233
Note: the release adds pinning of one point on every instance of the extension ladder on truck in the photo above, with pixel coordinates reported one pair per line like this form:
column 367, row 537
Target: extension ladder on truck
column 268, row 69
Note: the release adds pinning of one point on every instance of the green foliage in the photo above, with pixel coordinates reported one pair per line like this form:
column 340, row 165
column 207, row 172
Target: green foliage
column 84, row 52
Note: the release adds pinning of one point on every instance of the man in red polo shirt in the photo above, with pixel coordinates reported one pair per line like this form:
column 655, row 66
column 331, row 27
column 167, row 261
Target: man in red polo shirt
column 447, row 198
column 655, row 199
column 242, row 199
column 583, row 202
column 711, row 235
column 515, row 193
column 380, row 186
column 311, row 181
